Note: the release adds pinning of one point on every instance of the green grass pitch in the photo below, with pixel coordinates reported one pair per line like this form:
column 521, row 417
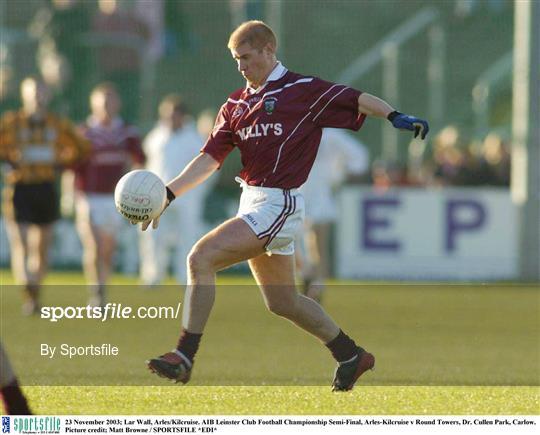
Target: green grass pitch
column 441, row 349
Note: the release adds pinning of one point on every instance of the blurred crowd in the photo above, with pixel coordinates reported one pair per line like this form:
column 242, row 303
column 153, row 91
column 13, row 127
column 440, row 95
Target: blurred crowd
column 81, row 43
column 453, row 160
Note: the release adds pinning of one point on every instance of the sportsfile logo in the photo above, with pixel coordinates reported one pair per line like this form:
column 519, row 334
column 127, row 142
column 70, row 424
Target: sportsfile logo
column 34, row 425
column 6, row 425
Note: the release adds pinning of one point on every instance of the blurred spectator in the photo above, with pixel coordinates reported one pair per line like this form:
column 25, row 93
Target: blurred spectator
column 35, row 143
column 385, row 175
column 496, row 155
column 122, row 43
column 205, row 122
column 55, row 71
column 449, row 159
column 478, row 164
column 116, row 148
column 64, row 60
column 169, row 147
column 473, row 171
column 339, row 155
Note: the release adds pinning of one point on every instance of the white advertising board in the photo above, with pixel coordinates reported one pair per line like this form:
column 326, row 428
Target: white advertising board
column 427, row 234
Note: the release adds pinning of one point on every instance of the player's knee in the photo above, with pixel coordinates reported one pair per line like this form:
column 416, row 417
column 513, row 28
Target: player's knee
column 199, row 259
column 283, row 307
column 277, row 308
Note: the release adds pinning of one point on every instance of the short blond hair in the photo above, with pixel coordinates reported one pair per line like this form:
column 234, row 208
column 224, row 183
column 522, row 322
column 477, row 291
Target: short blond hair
column 255, row 33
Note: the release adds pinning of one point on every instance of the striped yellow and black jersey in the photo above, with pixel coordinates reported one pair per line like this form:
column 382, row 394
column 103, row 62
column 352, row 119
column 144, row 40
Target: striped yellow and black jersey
column 36, row 148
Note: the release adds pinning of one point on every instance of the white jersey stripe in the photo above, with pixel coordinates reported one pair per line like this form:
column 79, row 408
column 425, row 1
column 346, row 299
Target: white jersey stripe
column 288, row 85
column 332, row 87
column 285, row 141
column 316, row 116
column 230, row 100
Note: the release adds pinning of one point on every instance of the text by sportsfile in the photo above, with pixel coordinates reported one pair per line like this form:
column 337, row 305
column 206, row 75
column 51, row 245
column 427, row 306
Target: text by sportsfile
column 109, row 311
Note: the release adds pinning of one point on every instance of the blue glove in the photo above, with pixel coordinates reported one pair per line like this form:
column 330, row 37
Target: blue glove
column 406, row 122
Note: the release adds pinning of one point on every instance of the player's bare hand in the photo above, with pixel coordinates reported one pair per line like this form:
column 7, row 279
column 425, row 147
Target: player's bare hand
column 146, row 224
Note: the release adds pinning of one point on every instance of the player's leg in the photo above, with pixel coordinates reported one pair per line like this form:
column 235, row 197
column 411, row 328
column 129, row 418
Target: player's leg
column 106, row 247
column 39, row 241
column 319, row 252
column 190, row 220
column 88, row 236
column 275, row 276
column 153, row 256
column 18, row 241
column 91, row 260
column 14, row 400
column 96, row 228
column 228, row 244
column 322, row 240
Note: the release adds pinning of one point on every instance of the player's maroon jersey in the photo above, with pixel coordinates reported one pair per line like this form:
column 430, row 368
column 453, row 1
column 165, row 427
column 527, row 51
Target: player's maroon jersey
column 115, row 148
column 278, row 127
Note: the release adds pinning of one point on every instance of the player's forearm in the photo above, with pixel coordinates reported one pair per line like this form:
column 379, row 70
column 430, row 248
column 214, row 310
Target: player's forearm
column 373, row 106
column 198, row 170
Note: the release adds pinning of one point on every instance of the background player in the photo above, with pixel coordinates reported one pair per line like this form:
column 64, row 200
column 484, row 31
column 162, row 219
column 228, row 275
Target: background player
column 339, row 156
column 276, row 121
column 116, row 147
column 171, row 145
column 14, row 400
column 35, row 143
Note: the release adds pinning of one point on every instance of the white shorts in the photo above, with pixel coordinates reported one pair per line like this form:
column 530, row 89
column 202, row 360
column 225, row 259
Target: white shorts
column 99, row 210
column 274, row 213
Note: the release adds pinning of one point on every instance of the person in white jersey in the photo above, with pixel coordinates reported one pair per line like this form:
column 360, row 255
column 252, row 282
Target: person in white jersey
column 169, row 147
column 340, row 156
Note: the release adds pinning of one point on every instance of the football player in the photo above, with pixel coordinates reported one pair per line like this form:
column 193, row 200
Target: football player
column 276, row 122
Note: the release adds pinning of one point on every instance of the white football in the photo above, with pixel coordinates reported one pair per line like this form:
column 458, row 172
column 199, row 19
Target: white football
column 140, row 195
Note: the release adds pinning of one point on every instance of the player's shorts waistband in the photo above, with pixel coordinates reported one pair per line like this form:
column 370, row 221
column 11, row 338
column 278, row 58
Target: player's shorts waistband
column 244, row 185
